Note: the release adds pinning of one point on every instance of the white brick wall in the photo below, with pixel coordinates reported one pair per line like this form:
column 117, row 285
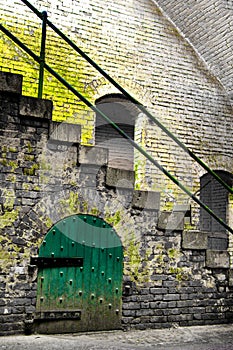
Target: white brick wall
column 142, row 50
column 208, row 24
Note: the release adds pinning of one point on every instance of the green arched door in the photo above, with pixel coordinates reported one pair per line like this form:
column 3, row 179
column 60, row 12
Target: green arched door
column 79, row 277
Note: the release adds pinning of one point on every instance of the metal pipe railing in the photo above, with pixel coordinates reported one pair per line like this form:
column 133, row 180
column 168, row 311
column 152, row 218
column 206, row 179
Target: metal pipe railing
column 121, row 132
column 42, row 53
column 133, row 100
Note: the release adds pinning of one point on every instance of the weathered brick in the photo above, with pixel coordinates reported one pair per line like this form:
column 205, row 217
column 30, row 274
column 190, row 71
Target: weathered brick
column 131, row 306
column 171, row 297
column 158, row 290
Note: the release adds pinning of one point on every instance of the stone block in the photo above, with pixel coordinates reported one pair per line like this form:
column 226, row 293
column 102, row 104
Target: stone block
column 146, row 200
column 120, row 178
column 218, row 241
column 171, row 221
column 11, row 82
column 186, row 210
column 231, row 278
column 65, row 132
column 217, row 259
column 158, row 290
column 35, row 108
column 171, row 297
column 195, row 240
column 93, row 155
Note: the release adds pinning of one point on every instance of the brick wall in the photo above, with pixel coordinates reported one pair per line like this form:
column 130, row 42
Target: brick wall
column 208, row 26
column 171, row 276
column 153, row 62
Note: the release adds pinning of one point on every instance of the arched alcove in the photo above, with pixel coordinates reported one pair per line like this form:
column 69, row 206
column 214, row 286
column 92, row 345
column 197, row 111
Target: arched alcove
column 123, row 113
column 217, row 198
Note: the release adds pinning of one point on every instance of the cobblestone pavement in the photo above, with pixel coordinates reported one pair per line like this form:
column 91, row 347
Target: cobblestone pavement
column 181, row 338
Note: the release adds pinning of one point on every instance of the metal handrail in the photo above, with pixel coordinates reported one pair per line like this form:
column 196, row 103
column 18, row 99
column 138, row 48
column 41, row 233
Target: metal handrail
column 121, row 132
column 42, row 54
column 132, row 99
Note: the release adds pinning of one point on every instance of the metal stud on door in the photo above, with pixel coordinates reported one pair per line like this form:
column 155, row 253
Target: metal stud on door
column 79, row 277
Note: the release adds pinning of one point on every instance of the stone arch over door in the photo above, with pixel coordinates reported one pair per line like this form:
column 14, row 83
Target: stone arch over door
column 79, row 285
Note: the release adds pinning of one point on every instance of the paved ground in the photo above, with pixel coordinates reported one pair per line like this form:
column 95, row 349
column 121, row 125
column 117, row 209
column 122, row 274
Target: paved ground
column 181, row 338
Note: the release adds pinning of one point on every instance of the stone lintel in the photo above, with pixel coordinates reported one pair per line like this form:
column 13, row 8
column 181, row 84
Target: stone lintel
column 93, row 155
column 11, row 83
column 171, row 221
column 32, row 107
column 148, row 200
column 196, row 240
column 217, row 259
column 65, row 132
column 120, row 178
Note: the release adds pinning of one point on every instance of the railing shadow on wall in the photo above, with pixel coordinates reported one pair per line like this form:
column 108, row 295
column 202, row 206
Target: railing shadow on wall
column 43, row 65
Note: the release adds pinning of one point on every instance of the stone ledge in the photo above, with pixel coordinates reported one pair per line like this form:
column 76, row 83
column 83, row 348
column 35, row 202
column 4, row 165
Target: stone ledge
column 120, row 178
column 35, row 108
column 171, row 221
column 65, row 132
column 11, row 83
column 146, row 200
column 217, row 259
column 195, row 240
column 93, row 155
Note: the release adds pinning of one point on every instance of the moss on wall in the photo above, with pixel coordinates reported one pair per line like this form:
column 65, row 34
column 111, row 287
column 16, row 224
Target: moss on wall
column 62, row 59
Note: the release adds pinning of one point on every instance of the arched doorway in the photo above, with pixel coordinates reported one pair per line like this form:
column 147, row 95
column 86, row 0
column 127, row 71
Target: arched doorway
column 80, row 266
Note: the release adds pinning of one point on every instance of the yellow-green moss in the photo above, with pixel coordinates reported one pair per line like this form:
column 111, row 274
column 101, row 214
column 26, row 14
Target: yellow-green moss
column 29, row 146
column 8, row 218
column 48, row 222
column 13, row 164
column 173, row 253
column 181, row 275
column 136, row 265
column 11, row 178
column 95, row 211
column 3, row 162
column 31, row 171
column 113, row 219
column 64, row 60
column 45, row 165
column 71, row 204
column 29, row 157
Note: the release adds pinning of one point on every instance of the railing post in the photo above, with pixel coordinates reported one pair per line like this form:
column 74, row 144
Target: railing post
column 42, row 54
